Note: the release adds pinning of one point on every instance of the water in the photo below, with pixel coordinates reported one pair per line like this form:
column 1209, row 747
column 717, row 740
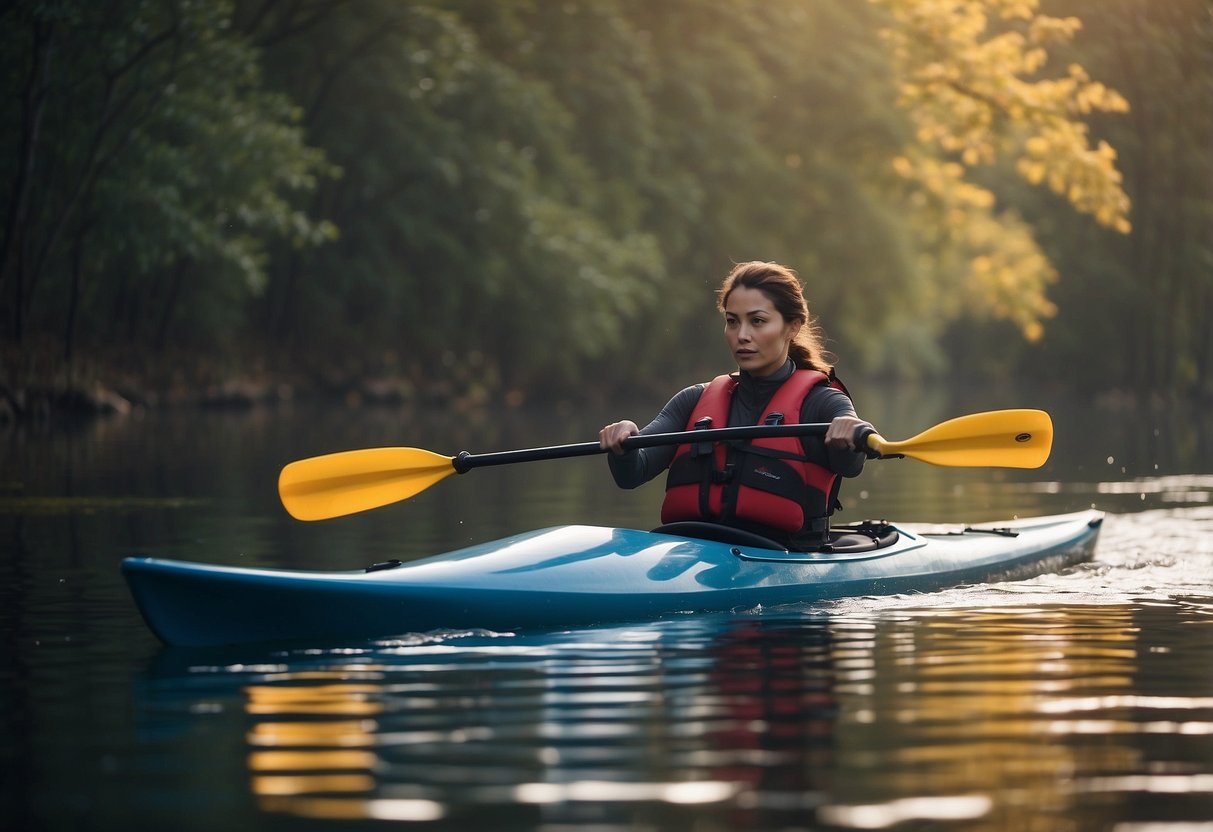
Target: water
column 1079, row 701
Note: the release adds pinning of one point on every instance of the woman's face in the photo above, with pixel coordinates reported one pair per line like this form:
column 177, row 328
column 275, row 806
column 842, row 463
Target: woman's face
column 757, row 334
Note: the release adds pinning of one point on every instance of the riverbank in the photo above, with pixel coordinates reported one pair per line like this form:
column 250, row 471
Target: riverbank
column 39, row 388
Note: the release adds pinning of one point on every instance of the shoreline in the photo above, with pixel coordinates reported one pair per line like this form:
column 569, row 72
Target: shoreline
column 39, row 388
column 46, row 404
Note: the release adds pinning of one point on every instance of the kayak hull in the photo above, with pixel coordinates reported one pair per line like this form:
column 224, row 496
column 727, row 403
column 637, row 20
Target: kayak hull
column 582, row 575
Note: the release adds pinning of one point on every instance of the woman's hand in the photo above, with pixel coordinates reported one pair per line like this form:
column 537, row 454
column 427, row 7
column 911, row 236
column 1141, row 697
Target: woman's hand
column 611, row 437
column 843, row 432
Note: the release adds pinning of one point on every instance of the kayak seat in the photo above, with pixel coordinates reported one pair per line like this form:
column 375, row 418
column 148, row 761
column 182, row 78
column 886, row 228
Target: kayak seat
column 721, row 534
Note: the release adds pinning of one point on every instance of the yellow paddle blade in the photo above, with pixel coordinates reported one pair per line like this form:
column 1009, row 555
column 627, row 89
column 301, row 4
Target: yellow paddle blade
column 338, row 484
column 1001, row 438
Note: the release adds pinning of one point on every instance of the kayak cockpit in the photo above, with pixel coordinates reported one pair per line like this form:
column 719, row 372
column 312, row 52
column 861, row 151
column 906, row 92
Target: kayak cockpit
column 861, row 539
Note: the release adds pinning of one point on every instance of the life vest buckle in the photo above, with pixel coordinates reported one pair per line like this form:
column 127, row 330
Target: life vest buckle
column 720, row 477
column 702, row 448
column 773, row 419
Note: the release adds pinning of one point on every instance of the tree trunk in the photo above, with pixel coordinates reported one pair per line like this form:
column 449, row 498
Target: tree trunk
column 73, row 298
column 13, row 245
column 170, row 305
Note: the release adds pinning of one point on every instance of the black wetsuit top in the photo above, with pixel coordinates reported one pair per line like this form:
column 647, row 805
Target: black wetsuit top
column 823, row 404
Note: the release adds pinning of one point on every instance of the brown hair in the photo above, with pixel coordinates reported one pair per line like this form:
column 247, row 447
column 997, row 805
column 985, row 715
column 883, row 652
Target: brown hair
column 782, row 287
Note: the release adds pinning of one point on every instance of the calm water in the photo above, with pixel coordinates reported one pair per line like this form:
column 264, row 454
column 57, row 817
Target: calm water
column 1081, row 701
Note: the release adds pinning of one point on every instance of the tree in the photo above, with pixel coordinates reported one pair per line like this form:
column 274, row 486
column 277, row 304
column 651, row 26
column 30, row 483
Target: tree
column 474, row 230
column 1154, row 288
column 152, row 168
column 965, row 69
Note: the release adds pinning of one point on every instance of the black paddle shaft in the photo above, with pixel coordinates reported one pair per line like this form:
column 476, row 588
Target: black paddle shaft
column 466, row 461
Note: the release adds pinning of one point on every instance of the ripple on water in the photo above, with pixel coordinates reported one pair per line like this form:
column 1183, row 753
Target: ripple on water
column 1010, row 715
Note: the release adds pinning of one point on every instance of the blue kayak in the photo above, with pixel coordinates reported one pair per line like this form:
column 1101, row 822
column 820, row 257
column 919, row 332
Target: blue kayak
column 582, row 575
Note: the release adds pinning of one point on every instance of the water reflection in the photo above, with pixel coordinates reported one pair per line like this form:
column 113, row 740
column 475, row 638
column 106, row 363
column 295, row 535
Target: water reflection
column 1048, row 718
column 960, row 695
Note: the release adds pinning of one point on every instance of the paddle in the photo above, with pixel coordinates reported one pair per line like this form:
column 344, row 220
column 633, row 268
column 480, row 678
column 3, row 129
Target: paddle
column 343, row 483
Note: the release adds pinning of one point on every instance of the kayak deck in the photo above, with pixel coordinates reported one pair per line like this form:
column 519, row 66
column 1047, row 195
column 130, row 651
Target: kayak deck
column 580, row 575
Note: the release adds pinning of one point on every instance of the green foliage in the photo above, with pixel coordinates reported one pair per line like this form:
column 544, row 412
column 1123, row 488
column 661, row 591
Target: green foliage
column 541, row 196
column 153, row 169
column 471, row 224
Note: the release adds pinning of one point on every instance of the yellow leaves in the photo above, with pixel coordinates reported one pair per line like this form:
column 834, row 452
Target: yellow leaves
column 943, row 181
column 1033, row 60
column 1009, row 9
column 1096, row 96
column 1036, row 146
column 974, row 97
column 971, row 97
column 1009, row 275
column 1061, row 156
column 1001, row 272
column 1050, row 30
column 1032, row 171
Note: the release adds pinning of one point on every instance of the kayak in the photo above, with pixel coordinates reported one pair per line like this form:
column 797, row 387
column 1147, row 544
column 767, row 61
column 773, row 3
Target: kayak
column 583, row 575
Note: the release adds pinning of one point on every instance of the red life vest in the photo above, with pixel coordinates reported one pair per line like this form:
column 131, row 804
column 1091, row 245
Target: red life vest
column 765, row 482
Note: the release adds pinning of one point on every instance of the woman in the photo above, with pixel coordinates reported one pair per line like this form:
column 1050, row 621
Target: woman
column 784, row 489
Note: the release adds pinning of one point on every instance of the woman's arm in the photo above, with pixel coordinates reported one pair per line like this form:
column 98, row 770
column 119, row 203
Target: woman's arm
column 636, row 467
column 826, row 404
